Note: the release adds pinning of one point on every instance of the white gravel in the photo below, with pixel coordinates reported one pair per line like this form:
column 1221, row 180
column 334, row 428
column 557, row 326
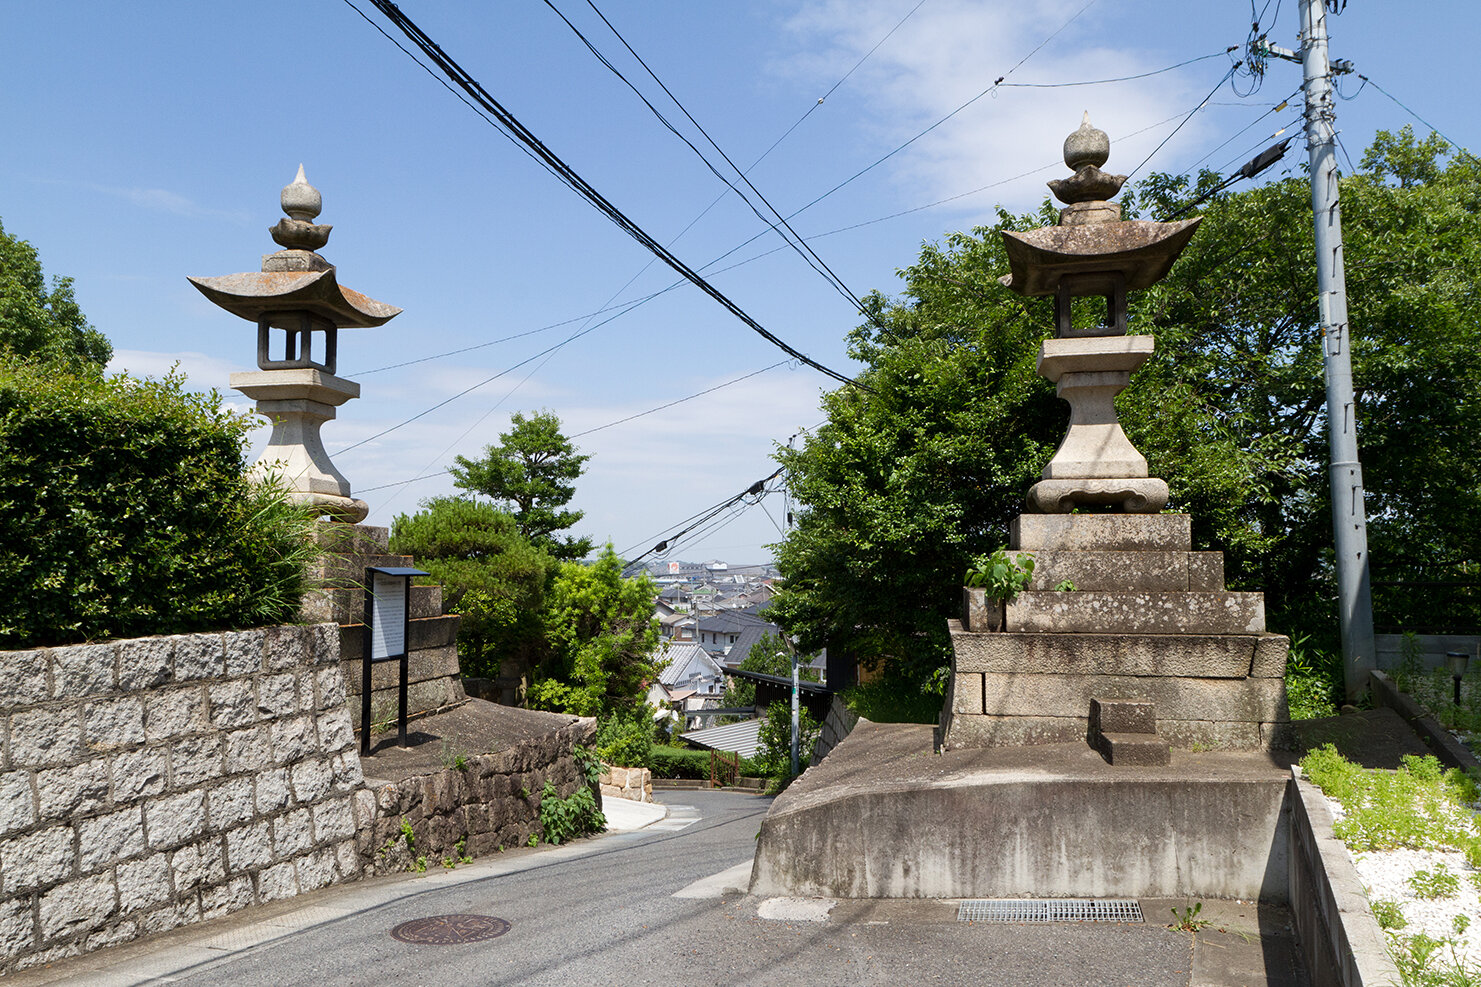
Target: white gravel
column 1386, row 874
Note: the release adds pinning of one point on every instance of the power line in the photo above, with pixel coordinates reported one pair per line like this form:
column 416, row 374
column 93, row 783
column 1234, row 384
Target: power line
column 620, row 421
column 1220, row 83
column 1416, row 116
column 576, row 183
column 794, row 241
column 1119, row 78
column 665, row 407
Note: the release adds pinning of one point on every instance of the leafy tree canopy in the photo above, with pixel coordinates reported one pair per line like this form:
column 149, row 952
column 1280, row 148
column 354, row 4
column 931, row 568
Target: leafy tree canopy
column 904, row 483
column 490, row 575
column 602, row 636
column 40, row 324
column 532, row 472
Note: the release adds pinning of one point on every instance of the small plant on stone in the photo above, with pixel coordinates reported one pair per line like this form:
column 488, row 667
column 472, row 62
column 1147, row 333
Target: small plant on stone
column 1065, row 586
column 524, row 793
column 998, row 576
column 534, row 840
column 382, row 716
column 588, row 763
column 418, row 862
column 1460, row 923
column 1186, row 919
column 1389, row 915
column 1437, row 883
column 453, row 756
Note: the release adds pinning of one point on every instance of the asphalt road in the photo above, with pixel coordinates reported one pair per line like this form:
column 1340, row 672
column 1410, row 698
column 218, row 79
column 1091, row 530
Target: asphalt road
column 604, row 911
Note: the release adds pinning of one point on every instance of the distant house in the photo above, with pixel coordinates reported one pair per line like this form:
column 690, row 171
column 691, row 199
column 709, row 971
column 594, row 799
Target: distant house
column 743, row 738
column 691, row 668
column 718, row 632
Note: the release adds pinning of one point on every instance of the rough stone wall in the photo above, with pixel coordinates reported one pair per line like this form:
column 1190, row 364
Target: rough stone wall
column 633, row 784
column 150, row 783
column 491, row 803
column 838, row 724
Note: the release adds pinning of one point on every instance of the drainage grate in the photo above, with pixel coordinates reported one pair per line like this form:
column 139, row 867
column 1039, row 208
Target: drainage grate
column 1050, row 910
column 450, row 930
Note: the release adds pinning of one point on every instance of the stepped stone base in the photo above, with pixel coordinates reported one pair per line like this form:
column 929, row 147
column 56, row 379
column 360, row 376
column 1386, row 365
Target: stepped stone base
column 433, row 679
column 1149, row 622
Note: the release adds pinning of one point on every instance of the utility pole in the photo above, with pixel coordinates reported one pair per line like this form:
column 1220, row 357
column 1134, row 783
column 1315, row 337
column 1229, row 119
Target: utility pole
column 1349, row 519
column 796, row 726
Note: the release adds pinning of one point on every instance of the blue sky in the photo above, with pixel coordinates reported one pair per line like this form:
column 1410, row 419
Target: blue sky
column 145, row 144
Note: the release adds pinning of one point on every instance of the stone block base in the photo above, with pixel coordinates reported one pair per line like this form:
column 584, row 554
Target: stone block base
column 875, row 820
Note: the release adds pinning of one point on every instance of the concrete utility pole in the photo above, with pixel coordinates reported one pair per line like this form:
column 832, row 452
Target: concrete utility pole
column 1349, row 519
column 795, row 724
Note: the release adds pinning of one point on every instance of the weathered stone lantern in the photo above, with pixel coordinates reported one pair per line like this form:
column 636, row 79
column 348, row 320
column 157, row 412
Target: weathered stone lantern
column 1093, row 252
column 297, row 302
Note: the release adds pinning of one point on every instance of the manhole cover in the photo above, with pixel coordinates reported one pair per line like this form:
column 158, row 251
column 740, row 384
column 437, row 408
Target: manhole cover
column 450, row 930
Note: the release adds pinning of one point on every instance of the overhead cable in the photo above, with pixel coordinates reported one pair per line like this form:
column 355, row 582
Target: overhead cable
column 794, row 240
column 576, row 183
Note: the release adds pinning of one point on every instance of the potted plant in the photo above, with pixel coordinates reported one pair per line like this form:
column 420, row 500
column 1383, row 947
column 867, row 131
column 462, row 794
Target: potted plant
column 990, row 584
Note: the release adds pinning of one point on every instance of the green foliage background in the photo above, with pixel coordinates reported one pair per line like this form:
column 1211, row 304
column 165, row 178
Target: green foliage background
column 906, row 481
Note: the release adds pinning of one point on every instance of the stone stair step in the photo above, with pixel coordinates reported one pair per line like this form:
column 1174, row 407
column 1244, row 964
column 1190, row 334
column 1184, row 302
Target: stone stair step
column 1133, row 749
column 1102, row 533
column 1137, row 613
column 1209, row 656
column 1123, row 716
column 1126, row 572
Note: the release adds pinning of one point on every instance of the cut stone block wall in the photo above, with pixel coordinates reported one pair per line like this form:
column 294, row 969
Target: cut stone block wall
column 150, row 783
column 633, row 784
column 491, row 803
column 433, row 678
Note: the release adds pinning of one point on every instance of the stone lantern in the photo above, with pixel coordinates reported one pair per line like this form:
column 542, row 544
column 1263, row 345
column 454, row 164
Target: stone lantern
column 1093, row 252
column 299, row 307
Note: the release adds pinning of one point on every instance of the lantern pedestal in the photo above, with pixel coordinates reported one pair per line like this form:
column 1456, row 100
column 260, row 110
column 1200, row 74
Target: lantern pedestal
column 299, row 402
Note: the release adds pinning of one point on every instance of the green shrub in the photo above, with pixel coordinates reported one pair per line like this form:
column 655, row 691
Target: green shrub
column 774, row 753
column 893, row 699
column 625, row 740
column 564, row 819
column 1314, row 680
column 679, row 762
column 128, row 512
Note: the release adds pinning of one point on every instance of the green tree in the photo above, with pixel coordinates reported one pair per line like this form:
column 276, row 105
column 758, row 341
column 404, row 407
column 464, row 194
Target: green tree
column 531, row 471
column 490, row 575
column 602, row 639
column 771, row 656
column 905, row 481
column 40, row 324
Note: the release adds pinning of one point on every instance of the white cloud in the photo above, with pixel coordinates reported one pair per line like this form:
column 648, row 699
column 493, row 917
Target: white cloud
column 163, row 200
column 949, row 52
column 202, row 372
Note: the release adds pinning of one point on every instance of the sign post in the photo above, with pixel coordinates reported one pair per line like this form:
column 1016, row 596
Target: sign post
column 387, row 611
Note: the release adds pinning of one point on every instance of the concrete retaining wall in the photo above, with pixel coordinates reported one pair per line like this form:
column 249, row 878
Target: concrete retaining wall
column 1340, row 940
column 151, row 783
column 491, row 803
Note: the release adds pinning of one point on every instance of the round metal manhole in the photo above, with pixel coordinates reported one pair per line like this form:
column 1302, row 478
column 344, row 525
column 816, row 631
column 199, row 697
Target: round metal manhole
column 450, row 930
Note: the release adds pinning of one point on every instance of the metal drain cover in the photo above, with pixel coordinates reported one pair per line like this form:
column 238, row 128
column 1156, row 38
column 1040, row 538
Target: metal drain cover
column 450, row 930
column 1049, row 910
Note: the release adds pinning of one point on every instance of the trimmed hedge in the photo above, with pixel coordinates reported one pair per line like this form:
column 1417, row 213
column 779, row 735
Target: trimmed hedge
column 127, row 512
column 685, row 762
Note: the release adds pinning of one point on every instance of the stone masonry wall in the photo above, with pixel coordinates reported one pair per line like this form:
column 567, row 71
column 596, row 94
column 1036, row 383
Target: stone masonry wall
column 150, row 783
column 633, row 784
column 491, row 803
